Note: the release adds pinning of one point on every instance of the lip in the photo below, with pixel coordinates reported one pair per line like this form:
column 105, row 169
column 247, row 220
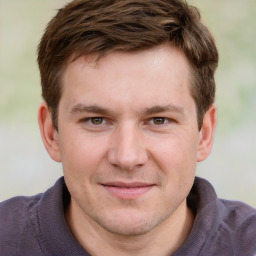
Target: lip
column 127, row 191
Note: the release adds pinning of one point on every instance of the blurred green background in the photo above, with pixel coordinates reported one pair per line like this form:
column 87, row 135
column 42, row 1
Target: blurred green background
column 25, row 167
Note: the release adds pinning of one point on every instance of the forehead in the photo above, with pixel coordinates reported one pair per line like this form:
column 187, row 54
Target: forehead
column 162, row 58
column 156, row 75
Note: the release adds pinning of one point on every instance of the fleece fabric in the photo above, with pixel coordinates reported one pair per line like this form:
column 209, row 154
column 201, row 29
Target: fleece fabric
column 36, row 225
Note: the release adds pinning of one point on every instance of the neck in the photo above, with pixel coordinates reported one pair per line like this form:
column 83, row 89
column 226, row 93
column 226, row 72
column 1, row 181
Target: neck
column 165, row 239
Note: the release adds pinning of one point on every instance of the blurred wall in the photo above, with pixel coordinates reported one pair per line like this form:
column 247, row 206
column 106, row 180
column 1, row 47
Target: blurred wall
column 26, row 168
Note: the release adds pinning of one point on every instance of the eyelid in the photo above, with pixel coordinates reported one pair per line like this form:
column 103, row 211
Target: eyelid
column 89, row 119
column 160, row 117
column 107, row 121
column 167, row 122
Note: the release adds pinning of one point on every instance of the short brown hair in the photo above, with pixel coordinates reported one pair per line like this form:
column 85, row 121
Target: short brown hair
column 94, row 26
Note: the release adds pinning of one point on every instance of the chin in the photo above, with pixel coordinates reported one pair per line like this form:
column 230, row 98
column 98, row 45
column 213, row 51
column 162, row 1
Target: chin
column 129, row 229
column 130, row 224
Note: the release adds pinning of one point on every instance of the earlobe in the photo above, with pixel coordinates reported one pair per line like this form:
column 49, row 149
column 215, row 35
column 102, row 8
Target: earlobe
column 48, row 132
column 207, row 132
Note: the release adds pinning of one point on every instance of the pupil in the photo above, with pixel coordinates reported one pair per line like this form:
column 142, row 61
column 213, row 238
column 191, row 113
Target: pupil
column 158, row 120
column 97, row 120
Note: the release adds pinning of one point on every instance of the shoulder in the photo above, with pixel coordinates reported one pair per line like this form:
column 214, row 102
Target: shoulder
column 226, row 227
column 237, row 215
column 18, row 221
column 27, row 222
column 239, row 218
column 17, row 209
column 18, row 206
column 235, row 210
column 235, row 232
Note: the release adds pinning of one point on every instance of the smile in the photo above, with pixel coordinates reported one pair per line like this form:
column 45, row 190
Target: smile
column 127, row 191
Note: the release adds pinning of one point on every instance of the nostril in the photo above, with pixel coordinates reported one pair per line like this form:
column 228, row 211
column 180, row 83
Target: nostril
column 127, row 150
column 127, row 161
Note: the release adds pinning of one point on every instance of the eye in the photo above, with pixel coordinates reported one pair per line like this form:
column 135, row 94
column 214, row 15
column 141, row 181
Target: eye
column 97, row 120
column 159, row 120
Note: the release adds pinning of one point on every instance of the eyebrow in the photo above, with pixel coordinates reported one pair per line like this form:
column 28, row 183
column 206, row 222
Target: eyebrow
column 81, row 108
column 166, row 108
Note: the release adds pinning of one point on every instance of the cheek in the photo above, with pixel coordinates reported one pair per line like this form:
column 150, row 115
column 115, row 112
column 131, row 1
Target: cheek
column 176, row 157
column 81, row 162
column 175, row 150
column 80, row 155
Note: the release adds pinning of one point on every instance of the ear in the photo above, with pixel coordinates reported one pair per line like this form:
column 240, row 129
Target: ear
column 206, row 133
column 48, row 132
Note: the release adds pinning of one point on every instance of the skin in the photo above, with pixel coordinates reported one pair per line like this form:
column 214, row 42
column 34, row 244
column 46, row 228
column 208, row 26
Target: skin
column 128, row 140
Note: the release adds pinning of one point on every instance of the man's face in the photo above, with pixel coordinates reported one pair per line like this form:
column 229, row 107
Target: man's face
column 128, row 138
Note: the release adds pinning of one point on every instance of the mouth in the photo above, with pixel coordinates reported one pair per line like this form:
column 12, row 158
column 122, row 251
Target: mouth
column 127, row 191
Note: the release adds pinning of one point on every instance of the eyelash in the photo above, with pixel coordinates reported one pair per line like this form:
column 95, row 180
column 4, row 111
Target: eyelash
column 151, row 121
column 89, row 119
column 165, row 119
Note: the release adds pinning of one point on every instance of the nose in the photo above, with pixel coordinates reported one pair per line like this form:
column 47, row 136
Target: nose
column 127, row 150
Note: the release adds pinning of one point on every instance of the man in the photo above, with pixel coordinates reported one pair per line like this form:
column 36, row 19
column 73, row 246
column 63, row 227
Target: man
column 128, row 109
